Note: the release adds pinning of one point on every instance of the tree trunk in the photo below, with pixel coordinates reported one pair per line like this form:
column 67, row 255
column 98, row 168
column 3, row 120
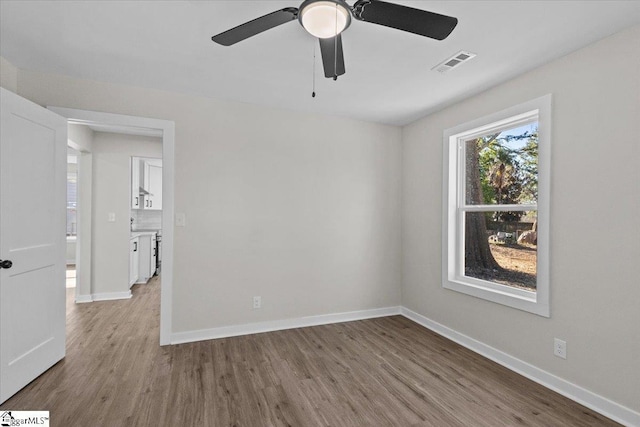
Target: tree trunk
column 477, row 252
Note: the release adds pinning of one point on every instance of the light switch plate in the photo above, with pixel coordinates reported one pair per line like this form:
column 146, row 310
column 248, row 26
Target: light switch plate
column 181, row 220
column 111, row 217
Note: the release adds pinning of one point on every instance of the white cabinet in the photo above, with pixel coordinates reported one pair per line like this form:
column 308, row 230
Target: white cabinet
column 147, row 254
column 153, row 184
column 146, row 183
column 136, row 197
column 134, row 260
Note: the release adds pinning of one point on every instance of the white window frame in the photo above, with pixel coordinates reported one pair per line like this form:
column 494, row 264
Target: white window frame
column 454, row 207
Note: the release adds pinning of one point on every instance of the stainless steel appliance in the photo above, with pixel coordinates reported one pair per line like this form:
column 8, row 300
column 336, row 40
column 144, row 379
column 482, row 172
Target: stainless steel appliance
column 158, row 251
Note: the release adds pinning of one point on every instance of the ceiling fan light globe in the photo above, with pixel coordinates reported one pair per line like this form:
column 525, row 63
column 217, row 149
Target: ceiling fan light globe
column 324, row 19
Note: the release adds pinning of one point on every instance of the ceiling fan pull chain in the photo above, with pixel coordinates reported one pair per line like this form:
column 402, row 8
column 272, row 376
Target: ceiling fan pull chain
column 313, row 93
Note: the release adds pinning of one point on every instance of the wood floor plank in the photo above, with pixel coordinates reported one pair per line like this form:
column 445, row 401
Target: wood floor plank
column 378, row 372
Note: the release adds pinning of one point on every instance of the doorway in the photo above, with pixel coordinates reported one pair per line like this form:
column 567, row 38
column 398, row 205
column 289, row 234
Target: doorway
column 166, row 129
column 72, row 216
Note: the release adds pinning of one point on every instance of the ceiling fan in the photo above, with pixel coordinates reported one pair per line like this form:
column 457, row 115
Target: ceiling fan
column 327, row 19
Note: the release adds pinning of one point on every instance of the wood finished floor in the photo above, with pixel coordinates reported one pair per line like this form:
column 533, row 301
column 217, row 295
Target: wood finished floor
column 380, row 372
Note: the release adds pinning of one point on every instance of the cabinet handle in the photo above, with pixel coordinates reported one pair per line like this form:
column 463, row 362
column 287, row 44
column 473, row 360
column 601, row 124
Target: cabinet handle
column 150, row 203
column 146, row 203
column 136, row 201
column 135, row 246
column 154, row 251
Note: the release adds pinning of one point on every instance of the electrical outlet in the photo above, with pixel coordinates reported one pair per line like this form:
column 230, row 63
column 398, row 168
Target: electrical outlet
column 257, row 302
column 560, row 348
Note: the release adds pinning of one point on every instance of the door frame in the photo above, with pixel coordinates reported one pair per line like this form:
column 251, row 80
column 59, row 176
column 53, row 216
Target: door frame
column 86, row 117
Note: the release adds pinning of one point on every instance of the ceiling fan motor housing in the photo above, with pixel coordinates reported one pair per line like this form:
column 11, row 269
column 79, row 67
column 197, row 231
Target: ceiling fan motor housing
column 324, row 18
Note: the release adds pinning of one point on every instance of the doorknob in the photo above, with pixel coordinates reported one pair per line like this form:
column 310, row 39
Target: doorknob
column 5, row 264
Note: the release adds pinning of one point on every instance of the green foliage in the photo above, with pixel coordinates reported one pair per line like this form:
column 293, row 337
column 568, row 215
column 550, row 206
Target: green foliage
column 529, row 168
column 508, row 170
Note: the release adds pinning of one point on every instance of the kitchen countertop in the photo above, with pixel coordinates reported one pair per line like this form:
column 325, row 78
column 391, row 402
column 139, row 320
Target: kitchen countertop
column 135, row 234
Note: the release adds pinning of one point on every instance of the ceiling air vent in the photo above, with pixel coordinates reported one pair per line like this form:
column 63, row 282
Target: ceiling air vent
column 454, row 61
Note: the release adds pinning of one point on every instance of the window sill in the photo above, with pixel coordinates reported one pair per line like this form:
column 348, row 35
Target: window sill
column 511, row 297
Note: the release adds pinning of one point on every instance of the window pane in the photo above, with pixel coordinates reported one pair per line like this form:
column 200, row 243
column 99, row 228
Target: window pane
column 502, row 168
column 72, row 195
column 501, row 250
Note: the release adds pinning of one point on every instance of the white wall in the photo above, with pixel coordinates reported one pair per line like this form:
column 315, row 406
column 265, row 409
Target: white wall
column 111, row 182
column 71, row 250
column 8, row 75
column 301, row 209
column 595, row 222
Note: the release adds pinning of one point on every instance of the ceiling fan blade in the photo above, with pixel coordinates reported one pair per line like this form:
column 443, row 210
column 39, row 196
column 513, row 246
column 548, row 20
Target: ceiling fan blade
column 332, row 60
column 256, row 26
column 405, row 18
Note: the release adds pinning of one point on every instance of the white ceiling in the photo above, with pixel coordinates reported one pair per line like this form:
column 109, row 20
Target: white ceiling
column 167, row 45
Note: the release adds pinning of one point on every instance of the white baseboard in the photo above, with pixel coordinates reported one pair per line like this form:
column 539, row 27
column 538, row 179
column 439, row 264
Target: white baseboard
column 80, row 299
column 111, row 296
column 278, row 325
column 84, row 298
column 602, row 405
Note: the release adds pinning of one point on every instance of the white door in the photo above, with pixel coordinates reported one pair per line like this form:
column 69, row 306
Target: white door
column 32, row 239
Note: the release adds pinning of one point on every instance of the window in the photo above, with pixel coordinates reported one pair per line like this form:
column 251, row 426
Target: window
column 72, row 195
column 496, row 202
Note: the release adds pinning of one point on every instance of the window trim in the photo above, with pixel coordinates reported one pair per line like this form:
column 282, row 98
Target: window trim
column 452, row 238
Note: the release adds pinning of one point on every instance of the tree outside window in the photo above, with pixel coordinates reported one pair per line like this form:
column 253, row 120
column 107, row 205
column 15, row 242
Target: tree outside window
column 501, row 169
